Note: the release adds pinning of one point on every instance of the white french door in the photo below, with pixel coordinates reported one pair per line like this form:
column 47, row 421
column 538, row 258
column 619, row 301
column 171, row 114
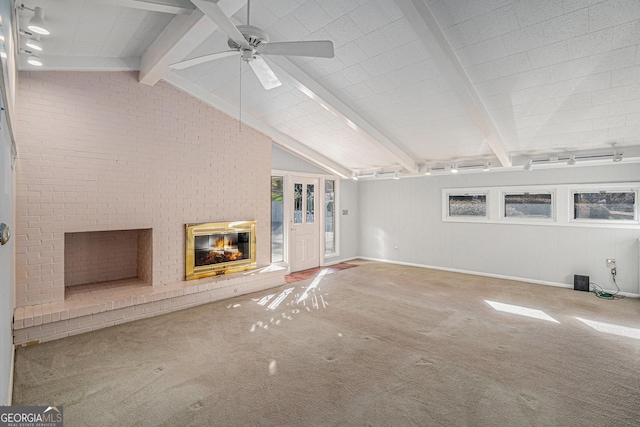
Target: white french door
column 304, row 223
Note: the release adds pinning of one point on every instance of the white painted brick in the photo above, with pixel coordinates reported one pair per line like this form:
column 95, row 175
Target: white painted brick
column 119, row 179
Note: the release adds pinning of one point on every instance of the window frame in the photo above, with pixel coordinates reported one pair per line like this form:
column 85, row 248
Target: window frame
column 562, row 204
column 523, row 192
column 602, row 189
column 446, row 214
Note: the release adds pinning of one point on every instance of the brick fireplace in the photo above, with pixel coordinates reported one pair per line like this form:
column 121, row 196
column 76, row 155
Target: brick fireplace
column 109, row 168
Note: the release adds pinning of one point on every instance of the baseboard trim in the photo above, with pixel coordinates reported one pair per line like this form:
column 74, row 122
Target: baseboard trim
column 338, row 261
column 495, row 276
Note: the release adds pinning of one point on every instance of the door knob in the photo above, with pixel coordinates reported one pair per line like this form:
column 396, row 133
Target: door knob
column 5, row 233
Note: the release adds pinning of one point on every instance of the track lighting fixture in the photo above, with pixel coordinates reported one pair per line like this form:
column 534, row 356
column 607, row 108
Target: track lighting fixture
column 486, row 167
column 355, row 176
column 617, row 157
column 427, row 171
column 571, row 161
column 34, row 42
column 528, row 166
column 396, row 175
column 454, row 168
column 37, row 24
column 34, row 60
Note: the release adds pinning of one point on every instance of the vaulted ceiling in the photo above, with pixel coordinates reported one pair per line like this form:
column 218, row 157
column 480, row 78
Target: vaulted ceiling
column 413, row 83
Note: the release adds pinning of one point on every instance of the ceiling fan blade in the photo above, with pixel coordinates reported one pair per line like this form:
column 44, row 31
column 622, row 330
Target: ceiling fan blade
column 318, row 48
column 264, row 73
column 201, row 59
column 213, row 11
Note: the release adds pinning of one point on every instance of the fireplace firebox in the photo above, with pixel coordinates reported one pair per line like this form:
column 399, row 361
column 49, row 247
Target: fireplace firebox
column 219, row 247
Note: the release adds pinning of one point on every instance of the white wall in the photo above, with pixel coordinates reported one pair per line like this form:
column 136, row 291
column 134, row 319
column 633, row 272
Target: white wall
column 407, row 214
column 349, row 224
column 285, row 161
column 7, row 261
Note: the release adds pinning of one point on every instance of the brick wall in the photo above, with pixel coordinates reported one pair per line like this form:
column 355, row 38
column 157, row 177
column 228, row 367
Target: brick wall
column 99, row 256
column 98, row 151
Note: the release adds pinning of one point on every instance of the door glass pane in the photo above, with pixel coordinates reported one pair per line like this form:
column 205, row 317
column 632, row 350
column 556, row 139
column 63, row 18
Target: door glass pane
column 310, row 203
column 277, row 231
column 329, row 225
column 297, row 203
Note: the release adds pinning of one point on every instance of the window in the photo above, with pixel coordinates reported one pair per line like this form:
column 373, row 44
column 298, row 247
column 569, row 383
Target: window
column 467, row 205
column 277, row 212
column 605, row 205
column 528, row 205
column 329, row 217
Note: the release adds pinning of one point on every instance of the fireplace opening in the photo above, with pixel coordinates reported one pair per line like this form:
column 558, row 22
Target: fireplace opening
column 217, row 248
column 214, row 249
column 96, row 257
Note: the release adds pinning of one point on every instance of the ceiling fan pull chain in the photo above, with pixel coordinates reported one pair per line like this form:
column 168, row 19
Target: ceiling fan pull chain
column 248, row 9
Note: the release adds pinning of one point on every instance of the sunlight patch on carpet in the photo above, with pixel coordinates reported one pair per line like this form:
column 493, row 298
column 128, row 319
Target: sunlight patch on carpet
column 610, row 328
column 521, row 311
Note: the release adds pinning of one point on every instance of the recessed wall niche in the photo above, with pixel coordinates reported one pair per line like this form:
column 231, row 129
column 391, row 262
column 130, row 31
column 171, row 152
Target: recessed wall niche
column 95, row 257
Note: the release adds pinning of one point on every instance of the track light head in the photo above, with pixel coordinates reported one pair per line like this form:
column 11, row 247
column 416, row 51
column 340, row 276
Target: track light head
column 37, row 24
column 34, row 42
column 528, row 166
column 454, row 168
column 486, row 167
column 571, row 161
column 617, row 157
column 34, row 60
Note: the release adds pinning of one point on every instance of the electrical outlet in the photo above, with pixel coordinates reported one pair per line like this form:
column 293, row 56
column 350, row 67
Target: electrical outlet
column 611, row 263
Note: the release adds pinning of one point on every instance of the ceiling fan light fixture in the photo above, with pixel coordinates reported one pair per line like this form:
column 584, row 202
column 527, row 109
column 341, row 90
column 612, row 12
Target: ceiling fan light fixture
column 37, row 24
column 35, row 61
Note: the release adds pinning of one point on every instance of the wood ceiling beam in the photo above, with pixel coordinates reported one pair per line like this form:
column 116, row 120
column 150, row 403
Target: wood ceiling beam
column 289, row 72
column 280, row 138
column 183, row 34
column 425, row 25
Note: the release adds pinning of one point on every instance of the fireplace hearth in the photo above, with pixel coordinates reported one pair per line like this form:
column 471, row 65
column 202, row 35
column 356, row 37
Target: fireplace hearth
column 219, row 248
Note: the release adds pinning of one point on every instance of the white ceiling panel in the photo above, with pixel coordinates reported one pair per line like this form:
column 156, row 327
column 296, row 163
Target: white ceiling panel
column 413, row 83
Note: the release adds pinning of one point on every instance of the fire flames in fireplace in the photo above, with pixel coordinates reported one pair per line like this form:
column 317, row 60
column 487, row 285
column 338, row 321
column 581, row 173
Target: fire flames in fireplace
column 218, row 248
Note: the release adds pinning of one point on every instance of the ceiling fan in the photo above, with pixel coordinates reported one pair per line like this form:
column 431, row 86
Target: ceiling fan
column 251, row 43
